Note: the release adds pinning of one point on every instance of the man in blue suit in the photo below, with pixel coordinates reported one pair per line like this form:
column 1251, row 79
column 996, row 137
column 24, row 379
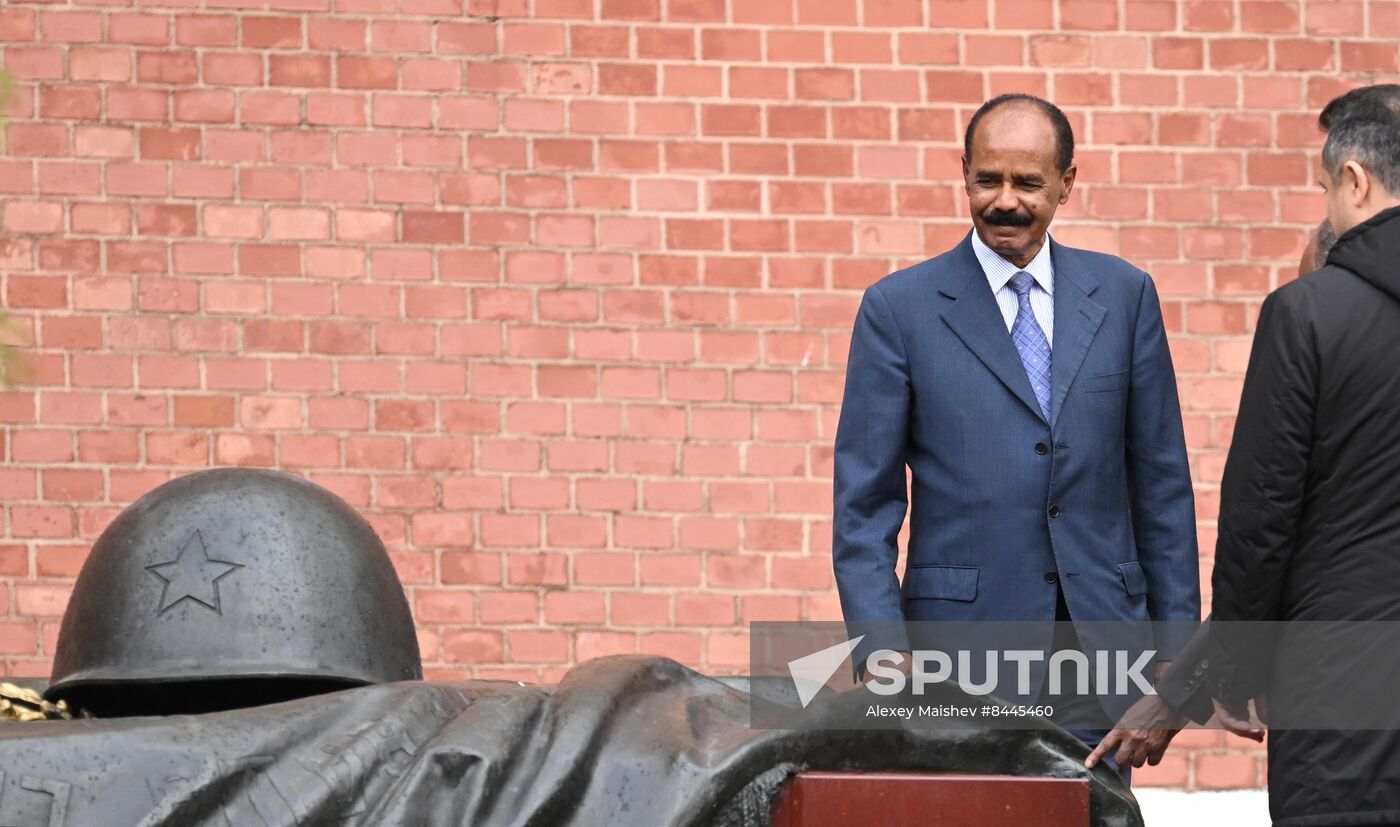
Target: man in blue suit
column 1028, row 387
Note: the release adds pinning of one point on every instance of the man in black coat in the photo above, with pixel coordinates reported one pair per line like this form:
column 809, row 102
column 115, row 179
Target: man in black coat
column 1145, row 731
column 1310, row 501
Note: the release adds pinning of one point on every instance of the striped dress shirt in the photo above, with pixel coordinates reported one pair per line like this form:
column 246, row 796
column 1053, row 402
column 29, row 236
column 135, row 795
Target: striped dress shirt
column 999, row 272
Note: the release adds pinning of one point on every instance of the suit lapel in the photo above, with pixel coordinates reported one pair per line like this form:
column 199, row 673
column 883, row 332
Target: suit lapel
column 974, row 316
column 1077, row 320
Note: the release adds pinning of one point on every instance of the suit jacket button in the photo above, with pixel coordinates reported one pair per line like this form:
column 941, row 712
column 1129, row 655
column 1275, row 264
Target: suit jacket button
column 1041, row 448
column 1054, row 511
column 1051, row 577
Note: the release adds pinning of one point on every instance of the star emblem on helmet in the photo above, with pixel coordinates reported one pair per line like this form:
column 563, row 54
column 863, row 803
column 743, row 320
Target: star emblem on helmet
column 192, row 575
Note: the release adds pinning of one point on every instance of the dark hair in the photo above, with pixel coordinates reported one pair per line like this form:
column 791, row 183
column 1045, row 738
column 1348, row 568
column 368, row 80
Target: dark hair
column 1064, row 135
column 1364, row 126
column 1326, row 237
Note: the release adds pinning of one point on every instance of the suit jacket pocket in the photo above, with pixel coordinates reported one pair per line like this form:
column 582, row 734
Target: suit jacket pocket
column 1105, row 383
column 942, row 582
column 1134, row 578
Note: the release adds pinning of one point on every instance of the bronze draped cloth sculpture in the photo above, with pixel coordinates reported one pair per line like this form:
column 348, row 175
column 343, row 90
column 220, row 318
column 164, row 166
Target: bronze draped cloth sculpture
column 619, row 741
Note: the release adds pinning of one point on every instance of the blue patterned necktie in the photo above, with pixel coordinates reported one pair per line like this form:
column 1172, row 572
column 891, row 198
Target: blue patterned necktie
column 1031, row 342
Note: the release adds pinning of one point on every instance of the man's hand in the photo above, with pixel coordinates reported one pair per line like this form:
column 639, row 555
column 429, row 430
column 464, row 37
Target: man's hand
column 1235, row 717
column 1141, row 736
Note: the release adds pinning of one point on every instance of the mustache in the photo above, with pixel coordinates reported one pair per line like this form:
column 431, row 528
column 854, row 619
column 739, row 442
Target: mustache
column 1007, row 218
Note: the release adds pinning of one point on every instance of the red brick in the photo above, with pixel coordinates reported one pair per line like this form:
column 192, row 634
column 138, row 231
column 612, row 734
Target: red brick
column 1229, row 771
column 166, row 67
column 1334, row 17
column 444, row 606
column 203, row 411
column 19, row 25
column 299, row 70
column 41, row 521
column 957, row 14
column 1243, row 54
column 472, row 646
column 66, row 407
column 619, row 397
column 206, row 30
column 19, row 638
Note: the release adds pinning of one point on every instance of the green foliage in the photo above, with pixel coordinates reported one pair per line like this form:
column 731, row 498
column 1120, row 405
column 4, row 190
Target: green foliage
column 9, row 355
column 7, row 94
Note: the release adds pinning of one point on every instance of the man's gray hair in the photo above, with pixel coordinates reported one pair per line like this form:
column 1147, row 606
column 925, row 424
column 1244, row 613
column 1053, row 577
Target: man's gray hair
column 1363, row 125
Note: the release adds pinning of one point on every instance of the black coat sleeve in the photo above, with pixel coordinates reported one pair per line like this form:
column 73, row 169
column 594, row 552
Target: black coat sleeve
column 1261, row 497
column 1184, row 686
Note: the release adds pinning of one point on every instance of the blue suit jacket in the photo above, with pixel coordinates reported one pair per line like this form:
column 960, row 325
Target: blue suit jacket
column 934, row 382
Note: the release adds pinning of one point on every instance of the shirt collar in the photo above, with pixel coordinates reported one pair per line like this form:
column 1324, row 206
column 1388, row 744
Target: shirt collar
column 999, row 271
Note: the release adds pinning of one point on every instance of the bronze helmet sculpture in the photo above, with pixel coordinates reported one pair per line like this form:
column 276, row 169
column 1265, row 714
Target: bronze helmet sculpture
column 228, row 588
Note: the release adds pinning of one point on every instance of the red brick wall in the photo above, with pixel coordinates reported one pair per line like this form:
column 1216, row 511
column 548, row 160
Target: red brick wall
column 558, row 291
